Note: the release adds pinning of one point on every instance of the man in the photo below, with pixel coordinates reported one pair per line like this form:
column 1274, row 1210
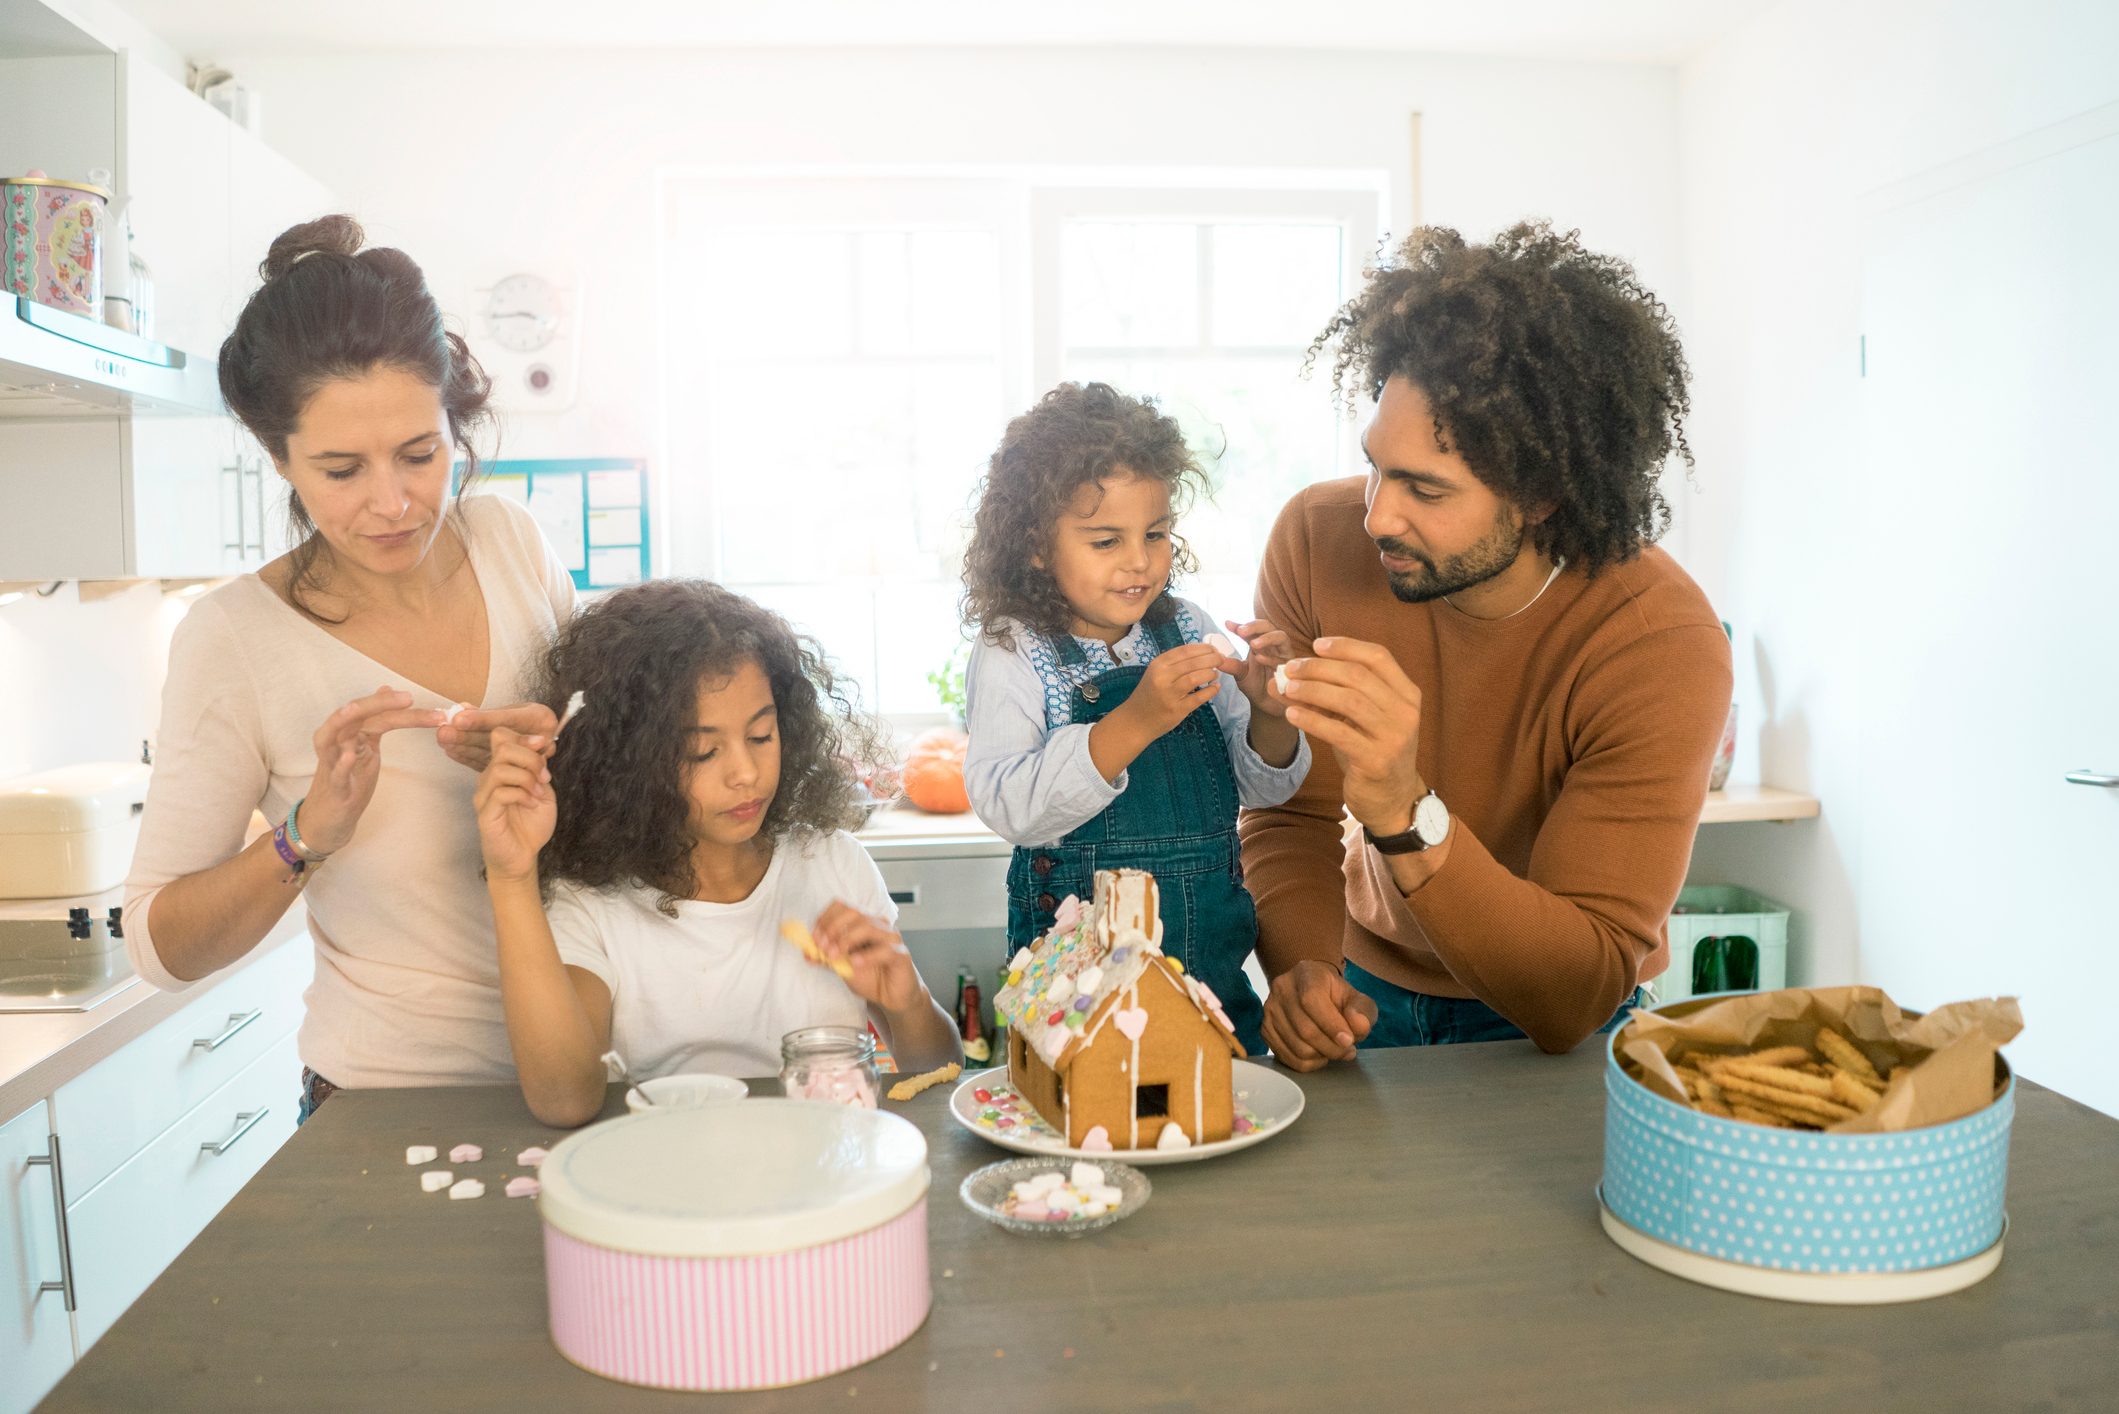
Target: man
column 1520, row 695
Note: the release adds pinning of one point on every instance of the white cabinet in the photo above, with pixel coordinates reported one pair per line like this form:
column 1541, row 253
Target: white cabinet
column 152, row 1142
column 134, row 1223
column 36, row 1338
column 133, row 495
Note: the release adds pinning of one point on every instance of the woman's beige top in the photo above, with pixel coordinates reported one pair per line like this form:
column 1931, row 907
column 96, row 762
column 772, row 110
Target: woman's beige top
column 407, row 988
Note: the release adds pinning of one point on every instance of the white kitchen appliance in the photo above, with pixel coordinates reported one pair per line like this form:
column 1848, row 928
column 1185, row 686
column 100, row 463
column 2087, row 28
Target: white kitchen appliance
column 70, row 831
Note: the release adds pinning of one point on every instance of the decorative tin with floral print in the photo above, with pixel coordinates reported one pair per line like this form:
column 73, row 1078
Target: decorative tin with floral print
column 54, row 242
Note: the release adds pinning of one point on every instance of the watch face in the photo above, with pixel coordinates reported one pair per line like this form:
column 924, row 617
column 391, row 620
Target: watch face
column 522, row 313
column 1431, row 819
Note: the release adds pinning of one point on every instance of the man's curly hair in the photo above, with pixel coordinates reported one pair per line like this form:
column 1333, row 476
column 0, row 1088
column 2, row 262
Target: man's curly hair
column 640, row 657
column 1077, row 434
column 1551, row 370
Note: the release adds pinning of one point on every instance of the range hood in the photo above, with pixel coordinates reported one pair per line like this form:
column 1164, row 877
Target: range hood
column 55, row 364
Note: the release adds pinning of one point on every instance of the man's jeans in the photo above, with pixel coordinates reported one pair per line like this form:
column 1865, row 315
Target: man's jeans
column 1415, row 1019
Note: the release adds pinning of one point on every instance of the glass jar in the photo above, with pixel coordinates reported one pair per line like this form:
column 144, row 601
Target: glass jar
column 836, row 1064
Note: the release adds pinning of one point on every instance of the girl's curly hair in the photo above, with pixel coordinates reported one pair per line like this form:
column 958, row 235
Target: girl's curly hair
column 1077, row 434
column 640, row 657
column 1551, row 369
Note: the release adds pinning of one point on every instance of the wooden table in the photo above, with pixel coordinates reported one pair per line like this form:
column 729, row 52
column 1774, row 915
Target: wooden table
column 1424, row 1236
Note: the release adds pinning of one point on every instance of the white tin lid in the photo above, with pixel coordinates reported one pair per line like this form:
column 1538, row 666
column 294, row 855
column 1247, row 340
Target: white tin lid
column 736, row 1180
column 73, row 799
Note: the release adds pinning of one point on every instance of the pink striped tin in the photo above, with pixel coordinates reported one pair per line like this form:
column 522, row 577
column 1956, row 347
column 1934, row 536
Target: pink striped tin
column 742, row 1246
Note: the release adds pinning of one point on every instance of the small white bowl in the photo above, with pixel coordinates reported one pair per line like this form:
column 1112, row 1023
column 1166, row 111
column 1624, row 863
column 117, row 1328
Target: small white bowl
column 685, row 1092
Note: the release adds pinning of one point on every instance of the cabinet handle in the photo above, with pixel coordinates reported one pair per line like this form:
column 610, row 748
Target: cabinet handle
column 237, row 1020
column 244, row 1123
column 257, row 469
column 65, row 1284
column 240, row 546
column 911, row 895
column 2092, row 778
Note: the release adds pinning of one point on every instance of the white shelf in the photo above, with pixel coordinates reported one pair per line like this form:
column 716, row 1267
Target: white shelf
column 1743, row 803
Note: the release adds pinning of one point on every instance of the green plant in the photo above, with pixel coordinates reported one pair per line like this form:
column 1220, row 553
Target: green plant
column 948, row 680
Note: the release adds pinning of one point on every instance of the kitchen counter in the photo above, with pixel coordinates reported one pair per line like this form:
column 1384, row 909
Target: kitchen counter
column 42, row 1050
column 1425, row 1233
column 906, row 832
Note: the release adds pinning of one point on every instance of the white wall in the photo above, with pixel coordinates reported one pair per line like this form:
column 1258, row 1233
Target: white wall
column 81, row 682
column 1784, row 126
column 479, row 164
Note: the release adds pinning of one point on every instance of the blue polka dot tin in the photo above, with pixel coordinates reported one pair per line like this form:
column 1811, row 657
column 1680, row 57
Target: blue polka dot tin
column 1796, row 1215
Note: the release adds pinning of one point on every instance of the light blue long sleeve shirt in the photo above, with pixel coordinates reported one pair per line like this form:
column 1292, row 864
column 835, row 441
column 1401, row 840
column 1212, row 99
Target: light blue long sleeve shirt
column 1032, row 783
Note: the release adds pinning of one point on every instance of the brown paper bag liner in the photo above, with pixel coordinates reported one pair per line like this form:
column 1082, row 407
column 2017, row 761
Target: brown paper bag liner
column 1941, row 1065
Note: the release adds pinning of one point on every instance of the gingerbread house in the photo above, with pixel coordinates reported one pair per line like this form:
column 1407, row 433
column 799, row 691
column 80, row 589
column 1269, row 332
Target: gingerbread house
column 1111, row 1041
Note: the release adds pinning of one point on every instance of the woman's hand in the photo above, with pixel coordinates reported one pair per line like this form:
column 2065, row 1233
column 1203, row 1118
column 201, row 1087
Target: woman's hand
column 468, row 740
column 349, row 761
column 883, row 974
column 1268, row 647
column 517, row 811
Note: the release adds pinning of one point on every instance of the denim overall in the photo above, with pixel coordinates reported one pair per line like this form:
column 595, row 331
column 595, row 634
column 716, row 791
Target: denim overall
column 1176, row 819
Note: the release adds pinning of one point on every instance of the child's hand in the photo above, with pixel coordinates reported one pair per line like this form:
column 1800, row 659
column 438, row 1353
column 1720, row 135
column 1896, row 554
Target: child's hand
column 516, row 808
column 1269, row 648
column 883, row 974
column 1174, row 686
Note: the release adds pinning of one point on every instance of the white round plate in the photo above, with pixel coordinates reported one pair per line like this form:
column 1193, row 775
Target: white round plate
column 1818, row 1288
column 1272, row 1099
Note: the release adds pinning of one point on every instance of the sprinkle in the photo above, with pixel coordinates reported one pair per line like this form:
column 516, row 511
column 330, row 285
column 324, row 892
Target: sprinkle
column 1053, row 1020
column 531, row 1157
column 1081, row 1003
column 949, row 1271
column 467, row 1188
column 524, row 1187
column 982, row 1096
column 421, row 1154
column 435, row 1180
column 466, row 1154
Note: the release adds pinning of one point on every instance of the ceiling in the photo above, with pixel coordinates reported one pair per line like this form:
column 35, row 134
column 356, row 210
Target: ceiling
column 1643, row 31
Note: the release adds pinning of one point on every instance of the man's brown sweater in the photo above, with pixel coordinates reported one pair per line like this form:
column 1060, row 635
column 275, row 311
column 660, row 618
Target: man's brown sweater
column 1571, row 744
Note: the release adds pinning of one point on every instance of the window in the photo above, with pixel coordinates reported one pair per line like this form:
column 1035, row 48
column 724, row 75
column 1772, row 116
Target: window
column 843, row 353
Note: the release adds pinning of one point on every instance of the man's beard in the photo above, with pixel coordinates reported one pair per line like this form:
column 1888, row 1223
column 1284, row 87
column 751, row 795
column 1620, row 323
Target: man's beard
column 1491, row 555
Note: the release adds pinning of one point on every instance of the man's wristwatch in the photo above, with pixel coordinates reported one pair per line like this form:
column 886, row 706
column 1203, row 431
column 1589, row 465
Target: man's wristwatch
column 1430, row 827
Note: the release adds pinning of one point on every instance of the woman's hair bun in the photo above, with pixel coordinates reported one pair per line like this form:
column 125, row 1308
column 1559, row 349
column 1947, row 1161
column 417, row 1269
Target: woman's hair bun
column 336, row 235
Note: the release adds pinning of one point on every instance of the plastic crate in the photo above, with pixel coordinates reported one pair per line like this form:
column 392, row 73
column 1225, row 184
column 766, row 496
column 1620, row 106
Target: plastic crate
column 1724, row 911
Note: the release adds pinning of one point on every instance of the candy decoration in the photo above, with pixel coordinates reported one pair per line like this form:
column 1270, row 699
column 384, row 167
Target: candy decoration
column 421, row 1154
column 435, row 1180
column 466, row 1154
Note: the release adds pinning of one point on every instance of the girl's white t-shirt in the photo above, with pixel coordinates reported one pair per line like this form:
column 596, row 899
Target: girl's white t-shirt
column 715, row 988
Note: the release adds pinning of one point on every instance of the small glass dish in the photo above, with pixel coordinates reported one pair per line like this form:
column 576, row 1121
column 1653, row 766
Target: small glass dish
column 985, row 1190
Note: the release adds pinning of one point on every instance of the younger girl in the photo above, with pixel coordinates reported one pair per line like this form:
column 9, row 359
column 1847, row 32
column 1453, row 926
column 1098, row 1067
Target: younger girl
column 1100, row 736
column 641, row 864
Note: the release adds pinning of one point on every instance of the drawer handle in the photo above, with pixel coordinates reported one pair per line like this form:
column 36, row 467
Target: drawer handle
column 244, row 1123
column 65, row 1284
column 911, row 895
column 237, row 1020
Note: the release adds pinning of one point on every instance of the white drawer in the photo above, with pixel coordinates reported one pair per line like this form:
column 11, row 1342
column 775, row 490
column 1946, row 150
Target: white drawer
column 114, row 1110
column 948, row 893
column 133, row 1225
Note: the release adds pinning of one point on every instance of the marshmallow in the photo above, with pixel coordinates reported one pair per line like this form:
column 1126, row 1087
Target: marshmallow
column 1061, row 990
column 1085, row 1176
column 1107, row 1195
column 435, row 1180
column 530, row 1158
column 1062, row 1200
column 1089, row 981
column 448, row 716
column 1172, row 1138
column 1032, row 1212
column 421, row 1154
column 1280, row 679
column 466, row 1154
column 468, row 1188
column 1094, row 1209
column 1220, row 644
column 1020, row 961
column 523, row 1187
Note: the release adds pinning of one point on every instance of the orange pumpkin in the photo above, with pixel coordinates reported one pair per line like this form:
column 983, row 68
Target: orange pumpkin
column 934, row 772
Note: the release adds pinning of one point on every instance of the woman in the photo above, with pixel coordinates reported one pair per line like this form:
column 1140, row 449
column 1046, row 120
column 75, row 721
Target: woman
column 341, row 368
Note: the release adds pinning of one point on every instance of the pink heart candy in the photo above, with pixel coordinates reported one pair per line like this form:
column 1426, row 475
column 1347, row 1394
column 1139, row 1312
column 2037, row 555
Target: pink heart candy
column 1132, row 1021
column 1097, row 1140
